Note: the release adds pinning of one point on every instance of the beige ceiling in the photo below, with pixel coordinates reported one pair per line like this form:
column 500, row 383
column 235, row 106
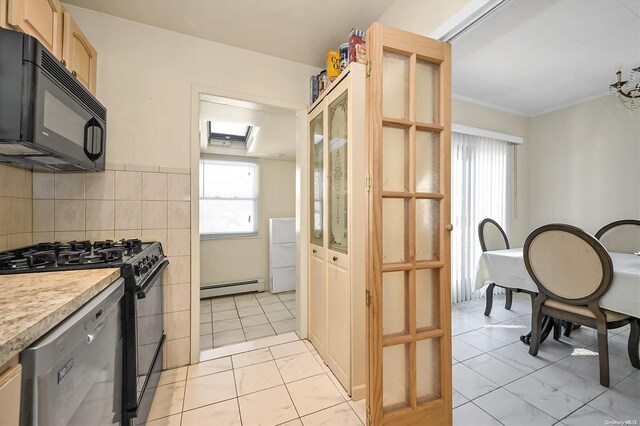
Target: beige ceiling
column 531, row 57
column 298, row 30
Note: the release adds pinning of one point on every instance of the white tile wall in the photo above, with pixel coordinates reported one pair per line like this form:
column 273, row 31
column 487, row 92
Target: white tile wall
column 130, row 203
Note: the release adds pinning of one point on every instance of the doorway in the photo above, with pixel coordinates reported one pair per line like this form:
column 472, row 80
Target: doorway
column 247, row 228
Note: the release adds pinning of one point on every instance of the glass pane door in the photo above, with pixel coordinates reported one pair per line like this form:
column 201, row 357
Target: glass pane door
column 316, row 140
column 338, row 144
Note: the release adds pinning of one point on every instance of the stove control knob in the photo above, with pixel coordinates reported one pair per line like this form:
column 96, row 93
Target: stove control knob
column 155, row 258
column 144, row 268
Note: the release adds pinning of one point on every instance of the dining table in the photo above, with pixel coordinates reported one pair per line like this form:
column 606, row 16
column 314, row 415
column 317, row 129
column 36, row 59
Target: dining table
column 506, row 268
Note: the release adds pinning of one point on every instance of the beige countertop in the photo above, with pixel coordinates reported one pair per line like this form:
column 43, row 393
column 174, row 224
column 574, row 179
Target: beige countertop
column 32, row 304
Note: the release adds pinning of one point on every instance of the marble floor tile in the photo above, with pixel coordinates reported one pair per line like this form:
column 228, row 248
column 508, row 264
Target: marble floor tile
column 314, row 394
column 589, row 416
column 206, row 328
column 224, row 306
column 580, row 388
column 254, row 320
column 629, row 387
column 290, row 304
column 269, row 407
column 274, row 307
column 226, row 413
column 209, row 367
column 174, row 420
column 587, row 366
column 309, row 345
column 341, row 415
column 249, row 311
column 284, row 326
column 269, row 299
column 470, row 415
column 278, row 315
column 292, row 348
column 206, row 341
column 226, row 325
column 296, row 422
column 517, row 356
column 480, row 341
column 168, row 400
column 618, row 405
column 296, row 367
column 547, row 398
column 257, row 377
column 360, row 408
column 225, row 315
column 469, row 383
column 553, row 350
column 228, row 337
column 290, row 295
column 252, row 357
column 508, row 409
column 463, row 351
column 220, row 300
column 257, row 331
column 246, row 303
column 263, row 294
column 173, row 375
column 458, row 399
column 507, row 331
column 209, row 389
column 493, row 369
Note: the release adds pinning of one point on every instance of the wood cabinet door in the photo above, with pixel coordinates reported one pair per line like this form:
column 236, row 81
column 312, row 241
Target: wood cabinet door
column 3, row 14
column 409, row 317
column 317, row 302
column 78, row 54
column 10, row 384
column 41, row 19
column 339, row 323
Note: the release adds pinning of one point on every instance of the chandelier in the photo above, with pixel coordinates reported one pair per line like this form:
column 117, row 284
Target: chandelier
column 626, row 92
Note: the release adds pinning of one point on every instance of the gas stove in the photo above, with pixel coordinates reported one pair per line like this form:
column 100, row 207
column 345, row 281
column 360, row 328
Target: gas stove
column 141, row 265
column 52, row 256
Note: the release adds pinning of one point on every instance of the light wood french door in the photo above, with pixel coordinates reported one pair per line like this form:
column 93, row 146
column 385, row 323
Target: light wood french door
column 409, row 314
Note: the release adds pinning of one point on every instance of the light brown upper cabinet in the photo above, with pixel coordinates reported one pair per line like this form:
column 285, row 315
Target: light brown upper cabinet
column 78, row 55
column 3, row 14
column 40, row 18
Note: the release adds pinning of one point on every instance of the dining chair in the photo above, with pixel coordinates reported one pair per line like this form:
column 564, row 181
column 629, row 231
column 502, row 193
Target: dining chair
column 573, row 271
column 621, row 236
column 492, row 237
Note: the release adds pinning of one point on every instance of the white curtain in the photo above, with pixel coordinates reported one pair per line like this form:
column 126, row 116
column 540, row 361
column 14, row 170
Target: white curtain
column 478, row 190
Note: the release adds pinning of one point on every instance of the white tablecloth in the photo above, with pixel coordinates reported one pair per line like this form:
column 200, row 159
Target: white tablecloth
column 506, row 268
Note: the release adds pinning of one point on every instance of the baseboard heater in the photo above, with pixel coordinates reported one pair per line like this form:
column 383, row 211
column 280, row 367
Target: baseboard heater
column 235, row 287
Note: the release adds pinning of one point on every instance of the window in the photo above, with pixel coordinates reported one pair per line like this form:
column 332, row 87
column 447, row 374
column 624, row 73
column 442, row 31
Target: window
column 229, row 135
column 228, row 198
column 478, row 190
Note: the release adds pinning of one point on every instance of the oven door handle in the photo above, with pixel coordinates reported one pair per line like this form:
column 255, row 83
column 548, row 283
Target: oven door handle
column 142, row 291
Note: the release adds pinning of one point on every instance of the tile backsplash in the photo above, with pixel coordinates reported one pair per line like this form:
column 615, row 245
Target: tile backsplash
column 151, row 205
column 15, row 207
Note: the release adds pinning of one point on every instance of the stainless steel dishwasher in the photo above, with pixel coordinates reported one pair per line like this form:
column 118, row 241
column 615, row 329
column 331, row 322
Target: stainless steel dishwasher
column 73, row 374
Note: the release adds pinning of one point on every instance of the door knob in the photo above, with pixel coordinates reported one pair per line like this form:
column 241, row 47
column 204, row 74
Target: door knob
column 449, row 227
column 315, row 251
column 335, row 258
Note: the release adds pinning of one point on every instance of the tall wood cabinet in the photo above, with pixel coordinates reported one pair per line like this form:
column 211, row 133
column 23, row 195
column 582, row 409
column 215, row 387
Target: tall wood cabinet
column 337, row 225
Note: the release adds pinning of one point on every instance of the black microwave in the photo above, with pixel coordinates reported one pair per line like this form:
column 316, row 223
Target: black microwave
column 48, row 120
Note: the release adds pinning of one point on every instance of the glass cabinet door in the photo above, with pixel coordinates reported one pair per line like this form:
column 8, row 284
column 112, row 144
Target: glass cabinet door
column 338, row 143
column 317, row 178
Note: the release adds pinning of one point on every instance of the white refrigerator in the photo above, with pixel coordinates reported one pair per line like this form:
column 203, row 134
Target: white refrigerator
column 282, row 254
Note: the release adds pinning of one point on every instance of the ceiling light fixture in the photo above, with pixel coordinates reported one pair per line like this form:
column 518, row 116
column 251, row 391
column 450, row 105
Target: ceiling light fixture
column 627, row 94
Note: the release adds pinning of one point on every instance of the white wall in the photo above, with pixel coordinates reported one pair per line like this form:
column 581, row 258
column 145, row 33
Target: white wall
column 584, row 165
column 233, row 259
column 145, row 75
column 482, row 117
column 421, row 17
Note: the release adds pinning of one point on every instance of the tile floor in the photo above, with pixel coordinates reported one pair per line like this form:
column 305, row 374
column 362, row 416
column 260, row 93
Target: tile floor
column 286, row 384
column 233, row 319
column 495, row 380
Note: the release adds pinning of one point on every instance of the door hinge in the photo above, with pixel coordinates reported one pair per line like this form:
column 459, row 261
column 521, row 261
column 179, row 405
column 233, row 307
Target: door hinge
column 367, row 296
column 367, row 183
column 368, row 67
column 368, row 416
